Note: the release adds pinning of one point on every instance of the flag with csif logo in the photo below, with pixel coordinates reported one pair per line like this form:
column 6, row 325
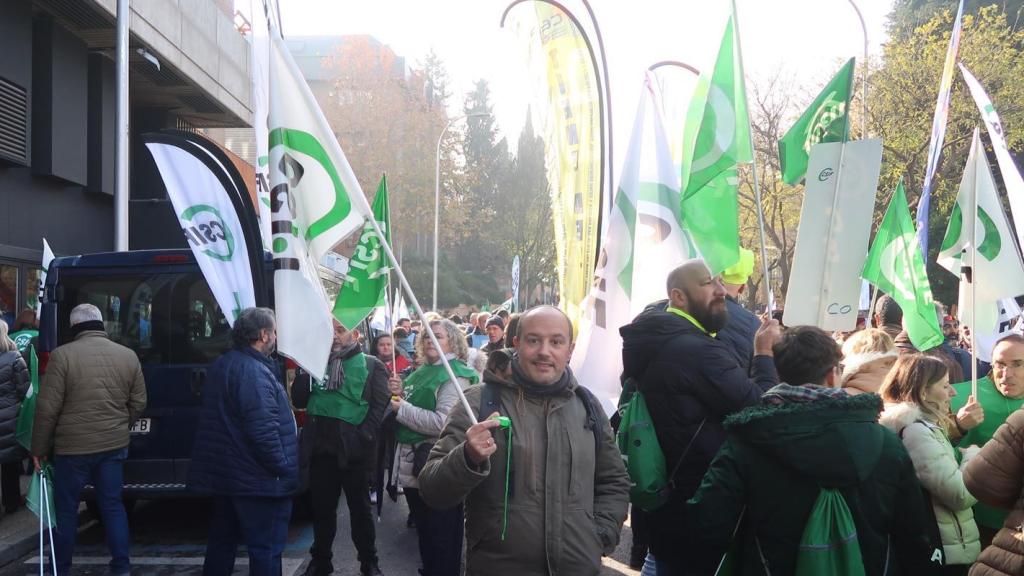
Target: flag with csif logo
column 896, row 267
column 315, row 203
column 368, row 269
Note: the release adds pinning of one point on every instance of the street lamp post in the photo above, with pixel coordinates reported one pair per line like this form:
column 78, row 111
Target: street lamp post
column 864, row 97
column 437, row 192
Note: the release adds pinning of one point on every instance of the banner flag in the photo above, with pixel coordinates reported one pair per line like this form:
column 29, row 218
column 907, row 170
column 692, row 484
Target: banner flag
column 938, row 131
column 711, row 218
column 717, row 134
column 1007, row 168
column 566, row 106
column 995, row 319
column 896, row 267
column 201, row 192
column 259, row 56
column 515, row 285
column 316, row 202
column 47, row 258
column 833, row 236
column 367, row 277
column 643, row 242
column 827, row 119
column 997, row 267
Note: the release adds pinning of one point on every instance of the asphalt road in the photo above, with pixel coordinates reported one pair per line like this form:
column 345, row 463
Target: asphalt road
column 168, row 537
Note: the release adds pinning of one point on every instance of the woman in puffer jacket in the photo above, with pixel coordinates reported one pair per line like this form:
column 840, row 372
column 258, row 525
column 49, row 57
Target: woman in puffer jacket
column 14, row 383
column 917, row 393
column 868, row 356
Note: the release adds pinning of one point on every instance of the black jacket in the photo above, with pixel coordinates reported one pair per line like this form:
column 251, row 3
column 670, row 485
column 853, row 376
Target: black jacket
column 739, row 333
column 687, row 377
column 356, row 446
column 14, row 383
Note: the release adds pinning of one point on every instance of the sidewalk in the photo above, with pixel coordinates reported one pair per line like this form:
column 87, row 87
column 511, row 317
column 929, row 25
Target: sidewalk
column 19, row 532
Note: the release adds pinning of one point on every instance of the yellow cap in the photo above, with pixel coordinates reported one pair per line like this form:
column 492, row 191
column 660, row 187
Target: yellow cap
column 741, row 270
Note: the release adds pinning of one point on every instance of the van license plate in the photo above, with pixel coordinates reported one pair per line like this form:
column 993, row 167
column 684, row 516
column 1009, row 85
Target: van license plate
column 141, row 426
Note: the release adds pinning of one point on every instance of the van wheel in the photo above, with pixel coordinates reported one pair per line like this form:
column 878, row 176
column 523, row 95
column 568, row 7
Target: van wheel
column 94, row 509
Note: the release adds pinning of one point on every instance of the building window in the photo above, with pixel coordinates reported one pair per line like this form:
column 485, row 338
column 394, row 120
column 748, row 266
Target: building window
column 8, row 293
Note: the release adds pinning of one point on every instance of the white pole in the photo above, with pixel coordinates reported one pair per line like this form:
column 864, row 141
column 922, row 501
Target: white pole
column 121, row 139
column 437, row 194
column 753, row 165
column 974, row 276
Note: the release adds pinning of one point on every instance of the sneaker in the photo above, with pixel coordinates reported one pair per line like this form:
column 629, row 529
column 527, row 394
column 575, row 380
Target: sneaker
column 320, row 568
column 369, row 569
column 373, row 496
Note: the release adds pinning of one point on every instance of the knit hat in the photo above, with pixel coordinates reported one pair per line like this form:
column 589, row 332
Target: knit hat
column 739, row 272
column 495, row 321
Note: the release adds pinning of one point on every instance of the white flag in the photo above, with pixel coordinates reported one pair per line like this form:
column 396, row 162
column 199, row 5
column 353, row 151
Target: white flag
column 1011, row 175
column 515, row 284
column 643, row 242
column 47, row 258
column 315, row 201
column 995, row 320
column 832, row 240
column 997, row 267
column 208, row 219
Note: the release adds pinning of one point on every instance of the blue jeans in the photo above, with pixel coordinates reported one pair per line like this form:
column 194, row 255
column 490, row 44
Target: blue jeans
column 261, row 523
column 105, row 471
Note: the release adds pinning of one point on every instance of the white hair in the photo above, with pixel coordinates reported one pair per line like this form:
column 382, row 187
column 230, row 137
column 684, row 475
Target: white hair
column 85, row 313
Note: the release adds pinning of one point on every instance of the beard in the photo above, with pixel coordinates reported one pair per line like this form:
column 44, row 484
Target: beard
column 713, row 317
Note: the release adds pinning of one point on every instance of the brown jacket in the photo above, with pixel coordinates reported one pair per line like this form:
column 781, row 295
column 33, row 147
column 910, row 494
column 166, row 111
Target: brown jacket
column 996, row 477
column 568, row 496
column 92, row 391
column 864, row 373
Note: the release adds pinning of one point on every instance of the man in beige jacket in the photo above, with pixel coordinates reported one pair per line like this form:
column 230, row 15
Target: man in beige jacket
column 92, row 391
column 557, row 504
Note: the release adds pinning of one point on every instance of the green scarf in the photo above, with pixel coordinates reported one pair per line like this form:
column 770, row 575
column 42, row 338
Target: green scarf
column 421, row 391
column 345, row 402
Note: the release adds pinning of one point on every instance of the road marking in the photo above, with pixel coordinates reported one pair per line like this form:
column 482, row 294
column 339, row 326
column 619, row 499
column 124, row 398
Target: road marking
column 289, row 566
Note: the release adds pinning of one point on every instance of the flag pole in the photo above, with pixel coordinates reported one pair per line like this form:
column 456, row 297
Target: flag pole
column 974, row 293
column 753, row 165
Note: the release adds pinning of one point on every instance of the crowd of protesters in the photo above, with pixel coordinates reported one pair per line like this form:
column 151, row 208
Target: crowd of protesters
column 755, row 421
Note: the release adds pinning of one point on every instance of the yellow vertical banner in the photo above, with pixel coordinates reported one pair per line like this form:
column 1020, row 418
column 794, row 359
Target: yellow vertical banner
column 566, row 107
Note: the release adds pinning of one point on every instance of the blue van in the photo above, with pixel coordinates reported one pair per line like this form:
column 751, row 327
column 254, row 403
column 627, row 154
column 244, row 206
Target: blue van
column 157, row 303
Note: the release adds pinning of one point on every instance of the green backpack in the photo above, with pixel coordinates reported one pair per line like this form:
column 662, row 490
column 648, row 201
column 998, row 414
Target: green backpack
column 650, row 486
column 829, row 543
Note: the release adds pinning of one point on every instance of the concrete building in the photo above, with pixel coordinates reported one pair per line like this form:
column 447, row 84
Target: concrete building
column 189, row 70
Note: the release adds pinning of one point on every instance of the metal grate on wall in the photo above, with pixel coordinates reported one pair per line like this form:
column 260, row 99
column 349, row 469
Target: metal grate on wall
column 13, row 122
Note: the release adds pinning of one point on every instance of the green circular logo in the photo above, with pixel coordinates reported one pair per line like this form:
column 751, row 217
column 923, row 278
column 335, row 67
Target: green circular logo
column 205, row 229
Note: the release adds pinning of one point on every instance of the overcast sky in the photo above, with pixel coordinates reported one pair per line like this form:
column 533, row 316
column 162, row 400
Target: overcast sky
column 805, row 39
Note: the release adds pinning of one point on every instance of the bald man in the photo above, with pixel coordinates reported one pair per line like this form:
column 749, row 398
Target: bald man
column 557, row 503
column 691, row 382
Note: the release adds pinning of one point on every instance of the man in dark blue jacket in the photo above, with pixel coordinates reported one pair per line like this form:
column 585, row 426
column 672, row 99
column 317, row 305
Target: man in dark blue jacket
column 742, row 325
column 691, row 381
column 246, row 453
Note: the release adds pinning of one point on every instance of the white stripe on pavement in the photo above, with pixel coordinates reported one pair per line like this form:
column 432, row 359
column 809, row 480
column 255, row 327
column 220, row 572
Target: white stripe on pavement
column 289, row 566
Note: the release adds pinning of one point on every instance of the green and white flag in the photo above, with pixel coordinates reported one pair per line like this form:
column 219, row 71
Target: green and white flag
column 643, row 241
column 825, row 120
column 896, row 267
column 717, row 134
column 711, row 218
column 367, row 278
column 315, row 203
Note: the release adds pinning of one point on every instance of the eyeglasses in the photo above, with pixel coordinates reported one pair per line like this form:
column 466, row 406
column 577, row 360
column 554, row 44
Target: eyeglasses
column 1014, row 365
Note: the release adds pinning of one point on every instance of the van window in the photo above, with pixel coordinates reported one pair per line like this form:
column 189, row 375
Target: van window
column 169, row 318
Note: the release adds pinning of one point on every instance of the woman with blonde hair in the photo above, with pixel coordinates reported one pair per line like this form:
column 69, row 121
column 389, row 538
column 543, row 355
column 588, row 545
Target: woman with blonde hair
column 421, row 405
column 14, row 383
column 917, row 393
column 868, row 355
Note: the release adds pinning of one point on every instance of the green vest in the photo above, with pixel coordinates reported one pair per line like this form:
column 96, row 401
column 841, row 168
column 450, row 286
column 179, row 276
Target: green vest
column 346, row 402
column 421, row 391
column 997, row 409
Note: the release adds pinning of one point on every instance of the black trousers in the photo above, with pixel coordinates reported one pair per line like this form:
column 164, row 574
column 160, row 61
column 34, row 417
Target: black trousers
column 440, row 534
column 326, row 482
column 10, row 485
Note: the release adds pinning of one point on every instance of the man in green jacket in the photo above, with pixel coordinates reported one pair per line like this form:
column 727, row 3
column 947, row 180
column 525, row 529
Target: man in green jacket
column 779, row 455
column 556, row 503
column 92, row 392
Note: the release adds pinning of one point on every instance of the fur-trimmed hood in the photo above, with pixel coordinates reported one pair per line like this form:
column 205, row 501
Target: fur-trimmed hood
column 898, row 416
column 855, row 362
column 835, row 440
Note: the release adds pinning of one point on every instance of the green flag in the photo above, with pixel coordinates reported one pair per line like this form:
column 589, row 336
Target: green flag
column 717, row 133
column 40, row 495
column 896, row 267
column 711, row 216
column 825, row 120
column 27, row 410
column 367, row 278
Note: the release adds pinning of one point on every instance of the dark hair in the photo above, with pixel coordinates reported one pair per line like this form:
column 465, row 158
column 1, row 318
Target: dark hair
column 889, row 311
column 376, row 341
column 498, row 360
column 805, row 355
column 511, row 330
column 401, row 333
column 456, row 318
column 503, row 313
column 249, row 324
